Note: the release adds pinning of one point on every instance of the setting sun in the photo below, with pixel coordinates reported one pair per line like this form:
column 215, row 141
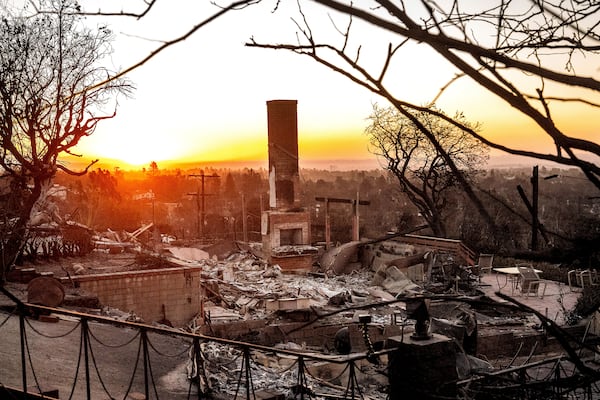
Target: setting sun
column 131, row 148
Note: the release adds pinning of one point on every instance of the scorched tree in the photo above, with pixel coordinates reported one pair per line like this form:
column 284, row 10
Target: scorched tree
column 53, row 92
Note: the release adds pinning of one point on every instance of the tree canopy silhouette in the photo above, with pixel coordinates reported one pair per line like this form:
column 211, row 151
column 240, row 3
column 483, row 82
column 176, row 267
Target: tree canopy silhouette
column 421, row 168
column 49, row 66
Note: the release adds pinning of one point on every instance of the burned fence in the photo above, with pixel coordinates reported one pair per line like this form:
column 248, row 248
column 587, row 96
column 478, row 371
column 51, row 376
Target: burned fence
column 89, row 356
column 53, row 242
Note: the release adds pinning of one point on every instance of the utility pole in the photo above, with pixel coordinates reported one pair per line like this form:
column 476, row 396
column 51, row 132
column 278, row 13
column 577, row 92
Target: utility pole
column 356, row 218
column 244, row 222
column 532, row 207
column 153, row 197
column 200, row 201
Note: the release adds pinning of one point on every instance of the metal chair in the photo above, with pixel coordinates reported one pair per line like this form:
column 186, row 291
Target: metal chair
column 485, row 263
column 582, row 277
column 530, row 281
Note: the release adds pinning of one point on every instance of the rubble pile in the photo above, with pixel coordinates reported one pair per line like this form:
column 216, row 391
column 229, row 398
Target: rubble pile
column 242, row 287
column 322, row 314
column 223, row 366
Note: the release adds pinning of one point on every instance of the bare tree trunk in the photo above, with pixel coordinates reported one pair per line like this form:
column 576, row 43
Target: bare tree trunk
column 17, row 232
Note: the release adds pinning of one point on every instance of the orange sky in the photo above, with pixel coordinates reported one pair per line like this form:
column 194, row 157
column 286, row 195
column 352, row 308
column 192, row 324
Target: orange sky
column 205, row 99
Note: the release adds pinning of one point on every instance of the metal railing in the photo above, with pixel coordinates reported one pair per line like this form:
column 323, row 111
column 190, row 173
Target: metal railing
column 90, row 380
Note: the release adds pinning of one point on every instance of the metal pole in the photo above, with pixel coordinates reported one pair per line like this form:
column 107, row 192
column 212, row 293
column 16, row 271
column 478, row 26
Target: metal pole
column 144, row 339
column 351, row 380
column 534, row 208
column 23, row 364
column 249, row 386
column 355, row 218
column 198, row 357
column 301, row 380
column 84, row 338
column 244, row 221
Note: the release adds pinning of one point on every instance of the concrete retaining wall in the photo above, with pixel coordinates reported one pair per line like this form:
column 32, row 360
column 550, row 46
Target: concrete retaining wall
column 145, row 292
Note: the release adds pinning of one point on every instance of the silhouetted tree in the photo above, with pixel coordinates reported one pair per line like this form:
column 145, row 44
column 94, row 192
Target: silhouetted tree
column 153, row 168
column 100, row 193
column 252, row 182
column 49, row 66
column 419, row 165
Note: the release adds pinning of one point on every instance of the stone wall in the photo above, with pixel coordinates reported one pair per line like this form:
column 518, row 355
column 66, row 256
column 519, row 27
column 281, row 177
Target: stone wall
column 422, row 369
column 146, row 292
column 495, row 343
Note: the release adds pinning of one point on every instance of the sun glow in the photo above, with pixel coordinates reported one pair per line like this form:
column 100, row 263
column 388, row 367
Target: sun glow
column 203, row 101
column 131, row 149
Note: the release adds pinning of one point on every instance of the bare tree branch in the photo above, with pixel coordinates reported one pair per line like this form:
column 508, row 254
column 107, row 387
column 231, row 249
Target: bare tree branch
column 233, row 6
column 515, row 33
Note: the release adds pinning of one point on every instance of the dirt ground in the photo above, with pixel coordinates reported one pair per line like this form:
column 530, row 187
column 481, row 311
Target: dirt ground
column 54, row 349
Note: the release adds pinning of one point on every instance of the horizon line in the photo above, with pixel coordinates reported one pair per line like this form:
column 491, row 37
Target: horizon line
column 338, row 164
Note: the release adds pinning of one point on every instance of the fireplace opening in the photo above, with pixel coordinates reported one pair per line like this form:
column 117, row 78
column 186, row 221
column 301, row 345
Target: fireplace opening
column 290, row 237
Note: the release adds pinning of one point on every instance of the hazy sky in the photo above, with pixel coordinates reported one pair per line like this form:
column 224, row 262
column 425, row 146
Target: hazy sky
column 205, row 99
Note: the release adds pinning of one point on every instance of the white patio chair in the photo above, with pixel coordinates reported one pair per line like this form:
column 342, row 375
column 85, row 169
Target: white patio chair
column 582, row 278
column 530, row 281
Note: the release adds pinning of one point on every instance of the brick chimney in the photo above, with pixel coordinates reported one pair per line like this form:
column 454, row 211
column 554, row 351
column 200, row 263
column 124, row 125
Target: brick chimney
column 285, row 227
column 283, row 154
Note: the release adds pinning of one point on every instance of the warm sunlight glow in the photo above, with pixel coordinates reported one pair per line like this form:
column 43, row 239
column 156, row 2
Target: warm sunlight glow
column 334, row 145
column 188, row 111
column 132, row 149
column 135, row 150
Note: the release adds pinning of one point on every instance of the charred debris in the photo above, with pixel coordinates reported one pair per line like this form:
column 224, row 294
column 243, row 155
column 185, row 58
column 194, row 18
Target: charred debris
column 443, row 326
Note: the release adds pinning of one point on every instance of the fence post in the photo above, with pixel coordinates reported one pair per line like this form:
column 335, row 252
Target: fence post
column 144, row 334
column 248, row 376
column 198, row 357
column 85, row 338
column 352, row 382
column 301, row 381
column 22, row 334
column 245, row 369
